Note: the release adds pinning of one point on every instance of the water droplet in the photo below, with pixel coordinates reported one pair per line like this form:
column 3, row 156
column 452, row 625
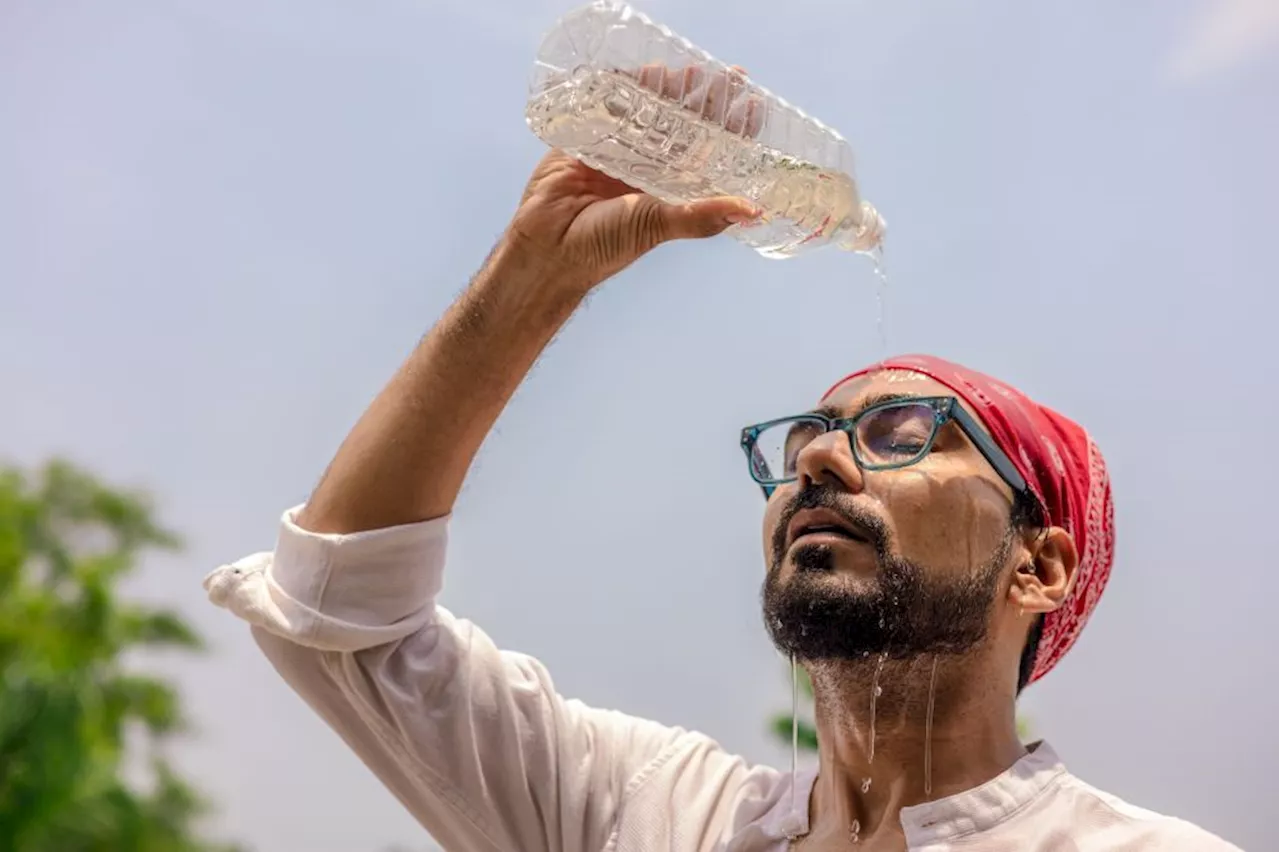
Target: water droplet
column 879, row 690
column 792, row 828
column 855, row 832
column 866, row 784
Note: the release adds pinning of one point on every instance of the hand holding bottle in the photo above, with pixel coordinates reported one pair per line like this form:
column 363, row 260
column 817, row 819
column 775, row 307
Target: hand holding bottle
column 583, row 226
column 626, row 95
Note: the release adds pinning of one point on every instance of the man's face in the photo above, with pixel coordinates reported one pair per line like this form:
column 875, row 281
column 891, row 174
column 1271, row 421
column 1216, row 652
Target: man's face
column 929, row 558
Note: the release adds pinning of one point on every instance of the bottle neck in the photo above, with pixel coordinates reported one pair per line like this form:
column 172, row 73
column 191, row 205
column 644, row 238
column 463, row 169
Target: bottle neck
column 866, row 233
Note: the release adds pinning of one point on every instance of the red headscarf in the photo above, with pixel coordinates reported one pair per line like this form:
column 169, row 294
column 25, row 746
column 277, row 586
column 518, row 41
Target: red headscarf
column 1062, row 466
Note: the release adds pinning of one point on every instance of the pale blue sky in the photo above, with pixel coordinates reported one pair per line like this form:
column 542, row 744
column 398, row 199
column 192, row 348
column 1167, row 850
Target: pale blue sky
column 223, row 225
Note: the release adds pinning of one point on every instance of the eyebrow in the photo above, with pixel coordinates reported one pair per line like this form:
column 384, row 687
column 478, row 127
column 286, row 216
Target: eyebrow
column 834, row 413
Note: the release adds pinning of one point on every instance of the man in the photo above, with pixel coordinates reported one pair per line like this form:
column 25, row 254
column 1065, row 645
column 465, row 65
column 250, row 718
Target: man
column 933, row 541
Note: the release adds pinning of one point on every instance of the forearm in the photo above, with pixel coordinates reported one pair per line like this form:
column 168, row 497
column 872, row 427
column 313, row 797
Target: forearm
column 406, row 458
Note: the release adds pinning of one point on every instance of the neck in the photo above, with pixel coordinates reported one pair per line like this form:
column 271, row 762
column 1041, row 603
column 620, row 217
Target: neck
column 938, row 730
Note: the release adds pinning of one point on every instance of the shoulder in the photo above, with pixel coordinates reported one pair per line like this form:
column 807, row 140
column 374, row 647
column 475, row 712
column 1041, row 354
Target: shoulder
column 696, row 794
column 1137, row 828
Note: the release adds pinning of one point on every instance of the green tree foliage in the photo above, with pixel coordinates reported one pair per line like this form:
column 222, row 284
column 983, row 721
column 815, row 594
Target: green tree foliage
column 806, row 733
column 67, row 699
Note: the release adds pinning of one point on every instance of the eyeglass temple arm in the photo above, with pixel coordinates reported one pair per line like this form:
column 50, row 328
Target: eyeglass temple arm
column 990, row 451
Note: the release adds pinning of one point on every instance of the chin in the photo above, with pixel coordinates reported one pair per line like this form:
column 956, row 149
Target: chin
column 832, row 558
column 855, row 589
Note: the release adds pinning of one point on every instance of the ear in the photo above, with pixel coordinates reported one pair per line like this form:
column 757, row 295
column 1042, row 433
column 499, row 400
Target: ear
column 1043, row 583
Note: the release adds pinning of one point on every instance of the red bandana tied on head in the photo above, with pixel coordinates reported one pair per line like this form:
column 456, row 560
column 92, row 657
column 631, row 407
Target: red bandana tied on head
column 1062, row 466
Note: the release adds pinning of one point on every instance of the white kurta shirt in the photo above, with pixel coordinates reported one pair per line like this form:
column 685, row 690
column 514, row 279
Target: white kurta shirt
column 483, row 751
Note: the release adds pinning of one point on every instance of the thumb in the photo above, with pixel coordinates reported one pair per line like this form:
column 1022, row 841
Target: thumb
column 704, row 218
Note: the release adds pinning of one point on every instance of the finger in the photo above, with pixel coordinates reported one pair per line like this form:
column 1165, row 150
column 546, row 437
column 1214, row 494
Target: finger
column 650, row 77
column 738, row 115
column 757, row 109
column 677, row 83
column 725, row 97
column 681, row 81
column 723, row 91
column 670, row 82
column 704, row 218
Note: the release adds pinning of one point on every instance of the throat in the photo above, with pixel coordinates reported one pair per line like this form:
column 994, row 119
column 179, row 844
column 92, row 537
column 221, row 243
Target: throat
column 896, row 733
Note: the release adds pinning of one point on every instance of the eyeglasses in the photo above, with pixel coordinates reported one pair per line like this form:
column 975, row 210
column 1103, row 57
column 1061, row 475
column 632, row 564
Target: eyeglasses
column 888, row 435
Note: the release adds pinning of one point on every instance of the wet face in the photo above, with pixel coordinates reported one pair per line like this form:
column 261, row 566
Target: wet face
column 905, row 562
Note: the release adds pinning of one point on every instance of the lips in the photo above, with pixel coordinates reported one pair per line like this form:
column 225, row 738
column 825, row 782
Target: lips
column 827, row 522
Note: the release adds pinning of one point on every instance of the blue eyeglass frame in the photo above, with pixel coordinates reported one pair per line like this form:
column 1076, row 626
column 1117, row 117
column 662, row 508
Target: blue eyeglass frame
column 945, row 408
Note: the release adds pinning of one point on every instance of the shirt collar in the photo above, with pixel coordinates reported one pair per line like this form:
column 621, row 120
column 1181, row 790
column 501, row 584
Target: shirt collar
column 969, row 812
column 986, row 805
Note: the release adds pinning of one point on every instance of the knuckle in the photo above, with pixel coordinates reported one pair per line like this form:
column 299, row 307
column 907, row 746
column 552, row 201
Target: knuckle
column 650, row 226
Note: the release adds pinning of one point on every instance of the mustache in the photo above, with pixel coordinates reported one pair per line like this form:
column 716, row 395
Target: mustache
column 829, row 497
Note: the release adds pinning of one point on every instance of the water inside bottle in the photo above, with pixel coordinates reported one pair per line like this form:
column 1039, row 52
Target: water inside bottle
column 654, row 143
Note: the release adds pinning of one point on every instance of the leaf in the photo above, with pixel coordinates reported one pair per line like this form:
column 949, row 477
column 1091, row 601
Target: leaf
column 806, row 734
column 150, row 701
column 67, row 698
column 157, row 628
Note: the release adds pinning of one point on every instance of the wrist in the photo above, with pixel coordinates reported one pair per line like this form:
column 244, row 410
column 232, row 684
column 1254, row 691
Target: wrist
column 546, row 269
column 521, row 283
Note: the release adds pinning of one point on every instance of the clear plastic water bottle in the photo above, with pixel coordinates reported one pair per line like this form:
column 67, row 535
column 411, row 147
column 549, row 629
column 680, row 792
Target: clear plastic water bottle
column 631, row 98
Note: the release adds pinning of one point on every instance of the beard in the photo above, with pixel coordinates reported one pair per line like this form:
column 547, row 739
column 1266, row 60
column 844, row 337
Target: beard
column 904, row 611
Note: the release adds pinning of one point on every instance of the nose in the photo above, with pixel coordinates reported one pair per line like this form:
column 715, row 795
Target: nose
column 828, row 460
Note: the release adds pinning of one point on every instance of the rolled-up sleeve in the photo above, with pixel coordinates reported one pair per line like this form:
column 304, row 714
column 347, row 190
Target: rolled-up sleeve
column 474, row 741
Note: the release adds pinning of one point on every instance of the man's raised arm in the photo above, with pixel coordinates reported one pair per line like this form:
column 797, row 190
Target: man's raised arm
column 406, row 458
column 474, row 741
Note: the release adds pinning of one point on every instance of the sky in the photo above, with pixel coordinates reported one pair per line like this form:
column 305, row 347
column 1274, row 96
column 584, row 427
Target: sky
column 223, row 225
